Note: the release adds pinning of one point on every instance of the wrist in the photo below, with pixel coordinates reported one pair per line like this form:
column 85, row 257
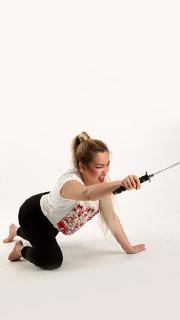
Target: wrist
column 127, row 249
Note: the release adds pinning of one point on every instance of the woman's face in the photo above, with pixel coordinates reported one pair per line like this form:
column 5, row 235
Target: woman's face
column 96, row 170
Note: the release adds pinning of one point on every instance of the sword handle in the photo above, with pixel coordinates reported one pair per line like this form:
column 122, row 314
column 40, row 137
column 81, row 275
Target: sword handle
column 142, row 179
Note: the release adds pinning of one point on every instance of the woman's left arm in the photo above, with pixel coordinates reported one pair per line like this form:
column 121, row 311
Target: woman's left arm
column 119, row 234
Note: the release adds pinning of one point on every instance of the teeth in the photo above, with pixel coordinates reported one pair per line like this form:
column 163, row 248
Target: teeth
column 102, row 178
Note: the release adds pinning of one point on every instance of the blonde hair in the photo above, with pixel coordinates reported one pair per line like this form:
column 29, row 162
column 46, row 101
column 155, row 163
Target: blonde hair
column 83, row 150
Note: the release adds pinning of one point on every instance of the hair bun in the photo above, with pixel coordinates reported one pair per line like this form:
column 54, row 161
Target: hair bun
column 83, row 136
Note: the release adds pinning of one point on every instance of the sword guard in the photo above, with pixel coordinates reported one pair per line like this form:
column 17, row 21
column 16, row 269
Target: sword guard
column 144, row 178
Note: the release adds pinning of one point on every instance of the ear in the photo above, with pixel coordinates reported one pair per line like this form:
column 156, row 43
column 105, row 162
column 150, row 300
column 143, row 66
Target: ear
column 81, row 167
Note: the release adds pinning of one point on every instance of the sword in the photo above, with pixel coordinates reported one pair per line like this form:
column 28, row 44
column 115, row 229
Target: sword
column 145, row 178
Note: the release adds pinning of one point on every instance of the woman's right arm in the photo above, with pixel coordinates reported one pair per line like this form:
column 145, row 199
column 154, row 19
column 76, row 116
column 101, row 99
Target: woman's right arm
column 77, row 191
column 73, row 189
column 100, row 190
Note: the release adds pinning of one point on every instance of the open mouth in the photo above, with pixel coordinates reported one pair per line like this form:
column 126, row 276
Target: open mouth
column 101, row 179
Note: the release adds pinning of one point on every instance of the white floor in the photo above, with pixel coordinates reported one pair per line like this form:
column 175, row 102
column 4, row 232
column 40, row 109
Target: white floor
column 97, row 279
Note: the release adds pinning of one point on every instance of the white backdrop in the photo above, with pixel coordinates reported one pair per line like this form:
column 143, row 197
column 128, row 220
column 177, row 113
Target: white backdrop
column 110, row 68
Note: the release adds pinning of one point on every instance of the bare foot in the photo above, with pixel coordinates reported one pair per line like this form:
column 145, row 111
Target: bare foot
column 15, row 254
column 12, row 233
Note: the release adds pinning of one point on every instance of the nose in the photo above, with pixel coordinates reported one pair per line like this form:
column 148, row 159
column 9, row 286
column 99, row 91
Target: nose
column 105, row 171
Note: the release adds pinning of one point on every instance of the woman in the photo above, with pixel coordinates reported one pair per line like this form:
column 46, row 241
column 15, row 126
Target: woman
column 79, row 194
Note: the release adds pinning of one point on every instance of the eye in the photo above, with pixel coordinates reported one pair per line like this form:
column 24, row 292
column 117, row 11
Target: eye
column 102, row 167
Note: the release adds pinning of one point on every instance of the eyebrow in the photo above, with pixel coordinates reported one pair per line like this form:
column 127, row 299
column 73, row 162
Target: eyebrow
column 101, row 164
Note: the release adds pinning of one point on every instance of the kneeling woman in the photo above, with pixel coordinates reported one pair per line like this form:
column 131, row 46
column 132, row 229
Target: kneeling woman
column 78, row 195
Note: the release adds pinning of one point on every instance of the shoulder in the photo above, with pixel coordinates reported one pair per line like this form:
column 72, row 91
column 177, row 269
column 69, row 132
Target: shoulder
column 71, row 186
column 70, row 174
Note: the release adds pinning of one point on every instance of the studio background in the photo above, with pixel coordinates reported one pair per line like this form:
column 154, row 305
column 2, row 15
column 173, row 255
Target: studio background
column 110, row 68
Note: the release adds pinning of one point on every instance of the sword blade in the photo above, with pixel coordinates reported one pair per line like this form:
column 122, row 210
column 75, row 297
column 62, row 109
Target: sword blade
column 175, row 164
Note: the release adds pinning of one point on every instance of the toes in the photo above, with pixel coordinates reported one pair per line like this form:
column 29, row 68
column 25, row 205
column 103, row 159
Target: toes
column 6, row 240
column 12, row 233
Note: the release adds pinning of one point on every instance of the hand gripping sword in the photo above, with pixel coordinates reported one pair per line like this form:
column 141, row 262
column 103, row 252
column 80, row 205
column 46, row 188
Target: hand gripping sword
column 145, row 178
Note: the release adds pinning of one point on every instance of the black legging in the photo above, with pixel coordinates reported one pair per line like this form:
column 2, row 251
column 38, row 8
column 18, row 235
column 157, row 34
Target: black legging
column 38, row 230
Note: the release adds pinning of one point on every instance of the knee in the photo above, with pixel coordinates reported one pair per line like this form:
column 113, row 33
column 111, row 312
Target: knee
column 53, row 264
